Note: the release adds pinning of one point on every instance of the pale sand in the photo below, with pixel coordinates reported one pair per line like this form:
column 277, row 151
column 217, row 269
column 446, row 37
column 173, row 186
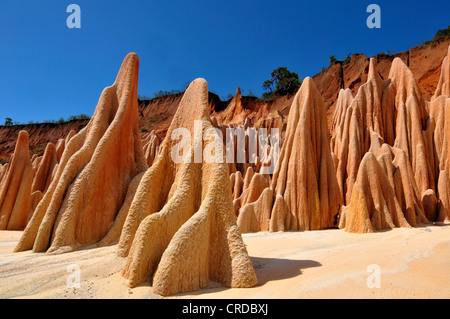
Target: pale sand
column 414, row 263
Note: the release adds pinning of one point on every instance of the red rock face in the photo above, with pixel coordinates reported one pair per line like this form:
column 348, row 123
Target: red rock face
column 40, row 135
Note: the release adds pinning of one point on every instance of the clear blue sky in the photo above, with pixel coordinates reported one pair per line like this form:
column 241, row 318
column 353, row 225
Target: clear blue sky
column 49, row 71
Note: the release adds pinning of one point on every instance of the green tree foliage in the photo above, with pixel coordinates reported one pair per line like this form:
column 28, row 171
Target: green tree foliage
column 347, row 59
column 442, row 33
column 333, row 59
column 79, row 117
column 8, row 121
column 283, row 82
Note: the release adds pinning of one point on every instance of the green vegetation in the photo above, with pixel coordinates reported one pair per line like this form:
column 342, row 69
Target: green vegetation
column 442, row 33
column 343, row 63
column 439, row 33
column 347, row 60
column 80, row 117
column 159, row 94
column 8, row 121
column 5, row 160
column 144, row 130
column 333, row 59
column 143, row 97
column 166, row 93
column 283, row 82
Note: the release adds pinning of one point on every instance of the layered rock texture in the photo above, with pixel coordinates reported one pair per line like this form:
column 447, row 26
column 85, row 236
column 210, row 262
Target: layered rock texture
column 385, row 165
column 92, row 178
column 174, row 222
column 180, row 229
column 402, row 179
column 440, row 115
column 306, row 176
column 15, row 187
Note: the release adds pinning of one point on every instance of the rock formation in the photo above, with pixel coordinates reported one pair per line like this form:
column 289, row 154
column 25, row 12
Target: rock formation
column 440, row 111
column 412, row 165
column 387, row 195
column 178, row 224
column 15, row 187
column 443, row 87
column 236, row 182
column 306, row 176
column 93, row 176
column 44, row 170
column 151, row 147
column 410, row 124
column 235, row 109
column 353, row 121
column 373, row 205
column 259, row 183
column 255, row 215
column 180, row 229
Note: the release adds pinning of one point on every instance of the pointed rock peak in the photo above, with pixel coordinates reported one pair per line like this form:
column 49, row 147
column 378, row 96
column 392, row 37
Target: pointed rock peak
column 309, row 85
column 307, row 93
column 397, row 63
column 400, row 71
column 238, row 93
column 345, row 98
column 237, row 100
column 128, row 73
column 23, row 139
column 405, row 84
column 373, row 71
column 306, row 163
column 193, row 106
column 15, row 187
column 308, row 97
column 90, row 176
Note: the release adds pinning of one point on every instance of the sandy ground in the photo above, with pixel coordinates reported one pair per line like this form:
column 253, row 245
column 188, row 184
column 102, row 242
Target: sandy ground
column 413, row 263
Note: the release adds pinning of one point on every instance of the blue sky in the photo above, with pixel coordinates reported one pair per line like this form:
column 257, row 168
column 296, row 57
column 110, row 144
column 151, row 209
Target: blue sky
column 49, row 71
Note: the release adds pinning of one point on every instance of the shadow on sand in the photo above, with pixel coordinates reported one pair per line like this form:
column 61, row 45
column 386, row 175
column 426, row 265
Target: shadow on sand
column 272, row 269
column 267, row 269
